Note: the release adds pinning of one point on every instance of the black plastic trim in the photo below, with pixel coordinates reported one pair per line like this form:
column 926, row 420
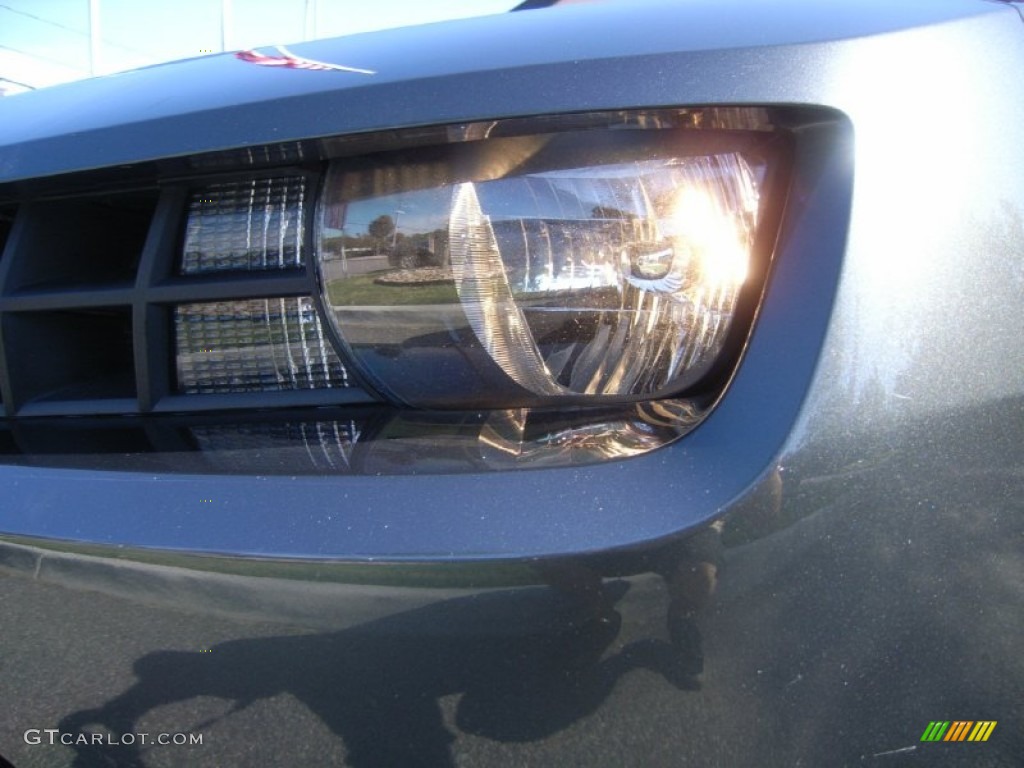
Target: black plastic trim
column 253, row 400
column 47, row 287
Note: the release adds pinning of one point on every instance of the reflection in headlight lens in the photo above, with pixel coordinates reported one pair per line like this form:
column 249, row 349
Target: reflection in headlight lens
column 456, row 279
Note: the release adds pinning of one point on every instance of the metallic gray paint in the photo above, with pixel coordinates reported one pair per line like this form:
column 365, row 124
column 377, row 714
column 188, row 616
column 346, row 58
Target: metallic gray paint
column 662, row 53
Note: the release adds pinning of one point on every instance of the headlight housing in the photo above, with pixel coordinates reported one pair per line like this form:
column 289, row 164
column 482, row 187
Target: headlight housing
column 540, row 291
column 596, row 258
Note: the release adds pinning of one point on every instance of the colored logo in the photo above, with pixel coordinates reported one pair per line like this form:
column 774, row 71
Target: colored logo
column 958, row 730
column 289, row 60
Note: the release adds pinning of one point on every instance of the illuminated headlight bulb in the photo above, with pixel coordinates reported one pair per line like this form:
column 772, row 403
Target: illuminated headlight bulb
column 712, row 237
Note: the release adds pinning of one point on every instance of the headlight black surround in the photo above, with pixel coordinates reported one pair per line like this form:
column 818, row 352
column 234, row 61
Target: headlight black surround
column 557, row 261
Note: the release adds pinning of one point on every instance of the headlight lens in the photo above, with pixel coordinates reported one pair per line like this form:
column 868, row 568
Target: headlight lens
column 554, row 267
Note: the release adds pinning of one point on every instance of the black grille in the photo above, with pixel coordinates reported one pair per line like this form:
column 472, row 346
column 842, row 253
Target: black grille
column 6, row 224
column 91, row 283
column 285, row 441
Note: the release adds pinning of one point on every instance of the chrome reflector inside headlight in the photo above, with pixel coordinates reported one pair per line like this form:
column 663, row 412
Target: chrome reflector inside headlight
column 536, row 268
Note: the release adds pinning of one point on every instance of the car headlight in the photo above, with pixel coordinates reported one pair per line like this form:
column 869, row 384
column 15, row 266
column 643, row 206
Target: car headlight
column 555, row 266
column 542, row 291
